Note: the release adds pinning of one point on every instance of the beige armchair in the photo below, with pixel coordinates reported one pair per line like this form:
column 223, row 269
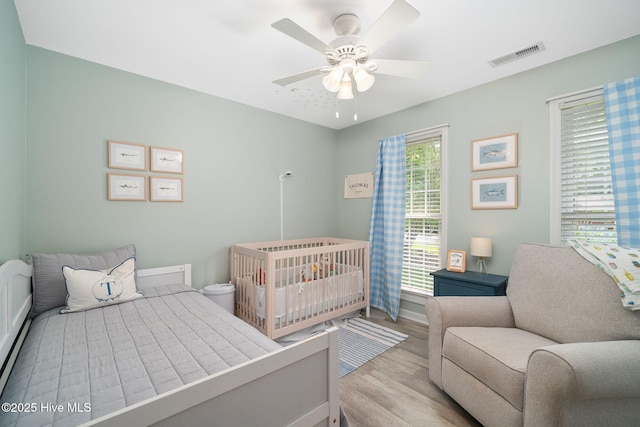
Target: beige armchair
column 558, row 350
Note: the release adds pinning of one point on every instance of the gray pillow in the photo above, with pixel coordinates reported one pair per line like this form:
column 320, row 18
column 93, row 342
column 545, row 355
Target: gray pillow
column 49, row 290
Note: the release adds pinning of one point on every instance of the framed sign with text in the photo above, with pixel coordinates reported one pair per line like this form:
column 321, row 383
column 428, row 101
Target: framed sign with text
column 358, row 186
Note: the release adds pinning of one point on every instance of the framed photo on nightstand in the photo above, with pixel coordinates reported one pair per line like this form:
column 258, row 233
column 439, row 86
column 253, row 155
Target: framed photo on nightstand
column 456, row 260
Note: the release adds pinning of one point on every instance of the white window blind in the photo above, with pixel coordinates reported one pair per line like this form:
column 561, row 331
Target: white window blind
column 423, row 223
column 586, row 194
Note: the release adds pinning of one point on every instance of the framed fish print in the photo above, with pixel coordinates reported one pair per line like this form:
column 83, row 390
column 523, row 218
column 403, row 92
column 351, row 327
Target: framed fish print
column 167, row 160
column 494, row 153
column 165, row 189
column 499, row 192
column 126, row 187
column 127, row 155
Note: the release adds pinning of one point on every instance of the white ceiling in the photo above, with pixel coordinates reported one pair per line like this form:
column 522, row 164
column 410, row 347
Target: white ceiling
column 229, row 49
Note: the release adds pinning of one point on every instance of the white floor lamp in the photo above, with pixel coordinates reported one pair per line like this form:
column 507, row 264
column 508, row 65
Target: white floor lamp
column 282, row 178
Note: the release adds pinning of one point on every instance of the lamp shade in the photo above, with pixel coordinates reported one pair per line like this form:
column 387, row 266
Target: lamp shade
column 364, row 80
column 345, row 92
column 481, row 246
column 332, row 80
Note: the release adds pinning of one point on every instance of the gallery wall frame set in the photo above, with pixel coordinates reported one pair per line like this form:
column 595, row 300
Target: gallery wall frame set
column 497, row 192
column 139, row 157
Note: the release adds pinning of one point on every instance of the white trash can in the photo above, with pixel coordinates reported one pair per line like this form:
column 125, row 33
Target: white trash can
column 221, row 294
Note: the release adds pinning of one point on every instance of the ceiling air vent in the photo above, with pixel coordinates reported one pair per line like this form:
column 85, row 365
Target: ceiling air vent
column 518, row 54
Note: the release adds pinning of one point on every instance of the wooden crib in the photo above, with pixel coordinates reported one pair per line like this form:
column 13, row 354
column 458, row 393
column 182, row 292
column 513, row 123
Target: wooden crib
column 288, row 285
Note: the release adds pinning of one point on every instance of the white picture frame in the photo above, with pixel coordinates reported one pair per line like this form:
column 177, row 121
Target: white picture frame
column 167, row 160
column 126, row 187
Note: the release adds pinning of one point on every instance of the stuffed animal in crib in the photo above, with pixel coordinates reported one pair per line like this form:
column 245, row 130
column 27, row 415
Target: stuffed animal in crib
column 327, row 267
column 307, row 274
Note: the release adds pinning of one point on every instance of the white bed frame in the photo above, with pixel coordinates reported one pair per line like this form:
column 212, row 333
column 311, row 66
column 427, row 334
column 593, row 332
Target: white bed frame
column 296, row 385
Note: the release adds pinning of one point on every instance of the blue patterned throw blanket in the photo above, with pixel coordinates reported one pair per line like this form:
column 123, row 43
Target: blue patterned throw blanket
column 622, row 264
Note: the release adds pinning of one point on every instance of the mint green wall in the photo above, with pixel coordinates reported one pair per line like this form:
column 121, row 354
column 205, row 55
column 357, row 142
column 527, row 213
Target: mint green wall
column 12, row 133
column 233, row 156
column 234, row 153
column 513, row 104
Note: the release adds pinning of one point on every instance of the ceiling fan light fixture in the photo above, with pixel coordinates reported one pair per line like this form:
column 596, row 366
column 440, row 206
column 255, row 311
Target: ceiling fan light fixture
column 348, row 65
column 364, row 80
column 348, row 70
column 346, row 91
column 333, row 80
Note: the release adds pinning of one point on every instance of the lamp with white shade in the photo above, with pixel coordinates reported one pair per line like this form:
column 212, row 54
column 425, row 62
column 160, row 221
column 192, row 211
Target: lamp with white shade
column 482, row 248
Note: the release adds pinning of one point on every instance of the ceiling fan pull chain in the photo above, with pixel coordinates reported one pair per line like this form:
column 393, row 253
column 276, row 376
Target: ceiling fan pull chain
column 355, row 105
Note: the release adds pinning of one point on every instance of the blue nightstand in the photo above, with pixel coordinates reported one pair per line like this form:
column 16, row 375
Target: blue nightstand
column 469, row 283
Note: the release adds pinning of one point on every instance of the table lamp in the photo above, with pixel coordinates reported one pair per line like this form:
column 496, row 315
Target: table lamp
column 481, row 247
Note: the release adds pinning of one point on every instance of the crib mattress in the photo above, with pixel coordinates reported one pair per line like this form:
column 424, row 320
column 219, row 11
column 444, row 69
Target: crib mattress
column 95, row 362
column 301, row 299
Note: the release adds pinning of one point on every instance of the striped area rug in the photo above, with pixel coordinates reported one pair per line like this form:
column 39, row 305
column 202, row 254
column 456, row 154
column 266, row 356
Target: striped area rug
column 361, row 341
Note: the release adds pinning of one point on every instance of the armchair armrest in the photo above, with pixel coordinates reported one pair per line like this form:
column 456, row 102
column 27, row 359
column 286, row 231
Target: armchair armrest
column 443, row 312
column 584, row 384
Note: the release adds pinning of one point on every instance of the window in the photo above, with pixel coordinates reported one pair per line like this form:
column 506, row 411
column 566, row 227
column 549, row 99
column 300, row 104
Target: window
column 424, row 216
column 582, row 202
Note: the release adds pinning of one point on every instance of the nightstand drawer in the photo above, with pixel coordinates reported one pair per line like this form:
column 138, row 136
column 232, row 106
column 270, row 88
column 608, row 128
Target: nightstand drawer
column 456, row 288
column 470, row 283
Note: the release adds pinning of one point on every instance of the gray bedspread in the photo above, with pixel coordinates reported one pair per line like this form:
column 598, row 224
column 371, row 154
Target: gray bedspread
column 79, row 366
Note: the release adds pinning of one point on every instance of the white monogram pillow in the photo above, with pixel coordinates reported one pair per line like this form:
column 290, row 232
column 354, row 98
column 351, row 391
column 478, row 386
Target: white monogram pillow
column 97, row 288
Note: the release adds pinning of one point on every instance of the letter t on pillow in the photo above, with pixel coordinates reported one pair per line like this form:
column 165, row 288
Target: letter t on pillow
column 88, row 289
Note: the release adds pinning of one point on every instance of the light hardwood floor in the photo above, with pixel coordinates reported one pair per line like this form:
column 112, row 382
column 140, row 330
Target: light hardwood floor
column 393, row 389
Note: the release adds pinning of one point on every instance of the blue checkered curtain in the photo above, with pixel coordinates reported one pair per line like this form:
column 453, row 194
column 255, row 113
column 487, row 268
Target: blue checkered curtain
column 622, row 101
column 386, row 234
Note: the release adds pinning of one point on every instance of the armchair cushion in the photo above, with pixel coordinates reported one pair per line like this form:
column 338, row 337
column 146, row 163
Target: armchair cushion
column 444, row 312
column 497, row 357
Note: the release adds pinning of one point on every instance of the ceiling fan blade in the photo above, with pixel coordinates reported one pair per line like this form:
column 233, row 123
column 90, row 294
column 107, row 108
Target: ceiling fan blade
column 295, row 31
column 297, row 77
column 410, row 69
column 399, row 15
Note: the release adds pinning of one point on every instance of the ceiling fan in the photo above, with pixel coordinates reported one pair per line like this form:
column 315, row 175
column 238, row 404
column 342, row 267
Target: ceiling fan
column 348, row 55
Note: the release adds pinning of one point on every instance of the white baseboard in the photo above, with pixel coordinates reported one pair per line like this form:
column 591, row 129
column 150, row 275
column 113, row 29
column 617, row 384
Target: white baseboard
column 412, row 315
column 419, row 317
